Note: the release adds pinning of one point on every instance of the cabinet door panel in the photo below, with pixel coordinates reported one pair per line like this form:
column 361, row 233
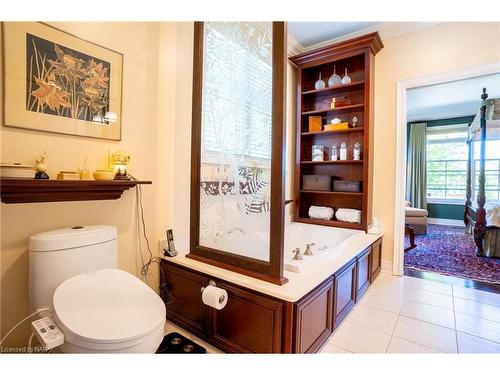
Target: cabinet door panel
column 183, row 299
column 313, row 319
column 249, row 323
column 363, row 272
column 345, row 291
column 376, row 259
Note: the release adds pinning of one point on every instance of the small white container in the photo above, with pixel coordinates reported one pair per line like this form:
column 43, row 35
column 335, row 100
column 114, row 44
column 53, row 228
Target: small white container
column 334, row 154
column 343, row 151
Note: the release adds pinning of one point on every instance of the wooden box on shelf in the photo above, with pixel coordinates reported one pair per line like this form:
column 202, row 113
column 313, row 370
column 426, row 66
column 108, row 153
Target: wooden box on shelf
column 355, row 107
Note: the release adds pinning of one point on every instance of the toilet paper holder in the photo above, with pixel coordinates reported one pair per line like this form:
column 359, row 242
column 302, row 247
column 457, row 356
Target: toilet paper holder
column 212, row 283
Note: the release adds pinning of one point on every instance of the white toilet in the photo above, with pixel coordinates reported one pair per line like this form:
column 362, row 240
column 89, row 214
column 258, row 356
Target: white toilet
column 98, row 307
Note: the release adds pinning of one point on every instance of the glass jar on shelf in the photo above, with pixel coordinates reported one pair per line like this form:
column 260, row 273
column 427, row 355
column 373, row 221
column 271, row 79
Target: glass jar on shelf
column 343, row 151
column 334, row 153
column 318, row 153
column 356, row 152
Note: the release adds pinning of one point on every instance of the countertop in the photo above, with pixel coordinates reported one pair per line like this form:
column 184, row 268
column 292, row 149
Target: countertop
column 299, row 284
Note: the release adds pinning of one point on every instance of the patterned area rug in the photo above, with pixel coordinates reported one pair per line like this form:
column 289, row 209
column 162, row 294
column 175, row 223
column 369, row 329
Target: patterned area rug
column 448, row 250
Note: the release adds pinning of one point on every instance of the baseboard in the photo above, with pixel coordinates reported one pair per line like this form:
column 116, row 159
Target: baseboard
column 433, row 220
column 386, row 266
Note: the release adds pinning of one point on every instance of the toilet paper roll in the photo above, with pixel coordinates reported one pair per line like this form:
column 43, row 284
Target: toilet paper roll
column 214, row 297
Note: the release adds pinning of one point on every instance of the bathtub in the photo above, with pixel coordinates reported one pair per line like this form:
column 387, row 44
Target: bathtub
column 254, row 243
column 327, row 240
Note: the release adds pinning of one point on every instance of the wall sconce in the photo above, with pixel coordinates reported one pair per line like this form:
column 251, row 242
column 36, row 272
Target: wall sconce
column 120, row 160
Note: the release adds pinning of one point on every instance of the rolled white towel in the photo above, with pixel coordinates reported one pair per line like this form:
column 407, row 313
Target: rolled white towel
column 349, row 215
column 319, row 212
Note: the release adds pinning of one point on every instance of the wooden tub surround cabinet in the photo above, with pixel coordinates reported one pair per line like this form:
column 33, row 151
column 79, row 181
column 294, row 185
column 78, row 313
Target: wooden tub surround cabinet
column 257, row 322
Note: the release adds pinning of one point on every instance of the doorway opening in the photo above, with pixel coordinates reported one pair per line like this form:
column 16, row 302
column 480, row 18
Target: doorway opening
column 433, row 158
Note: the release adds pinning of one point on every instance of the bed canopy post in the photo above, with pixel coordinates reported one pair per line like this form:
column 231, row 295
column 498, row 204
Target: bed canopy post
column 468, row 191
column 480, row 227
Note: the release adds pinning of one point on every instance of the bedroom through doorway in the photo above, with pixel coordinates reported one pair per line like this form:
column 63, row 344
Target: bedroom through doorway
column 450, row 165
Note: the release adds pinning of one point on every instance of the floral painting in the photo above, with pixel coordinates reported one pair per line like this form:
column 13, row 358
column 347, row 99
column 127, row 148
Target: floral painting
column 59, row 83
column 64, row 82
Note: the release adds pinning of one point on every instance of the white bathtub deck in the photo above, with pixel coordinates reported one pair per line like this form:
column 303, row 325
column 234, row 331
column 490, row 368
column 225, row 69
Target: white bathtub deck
column 299, row 284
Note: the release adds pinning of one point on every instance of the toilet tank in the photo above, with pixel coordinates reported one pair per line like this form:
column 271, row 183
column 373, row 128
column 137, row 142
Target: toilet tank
column 57, row 255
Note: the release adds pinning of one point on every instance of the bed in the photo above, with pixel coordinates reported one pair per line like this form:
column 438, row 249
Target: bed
column 482, row 219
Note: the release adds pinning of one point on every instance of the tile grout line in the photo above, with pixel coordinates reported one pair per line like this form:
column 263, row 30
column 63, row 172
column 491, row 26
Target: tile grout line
column 455, row 319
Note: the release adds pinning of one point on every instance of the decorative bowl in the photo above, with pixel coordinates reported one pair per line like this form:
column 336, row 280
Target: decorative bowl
column 104, row 174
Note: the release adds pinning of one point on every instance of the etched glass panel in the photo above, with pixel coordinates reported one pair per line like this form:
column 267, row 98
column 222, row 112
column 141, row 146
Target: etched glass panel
column 236, row 138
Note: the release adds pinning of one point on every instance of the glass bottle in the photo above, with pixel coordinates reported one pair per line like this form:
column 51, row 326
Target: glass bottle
column 334, row 154
column 343, row 151
column 356, row 152
column 320, row 84
column 318, row 152
column 346, row 80
column 334, row 79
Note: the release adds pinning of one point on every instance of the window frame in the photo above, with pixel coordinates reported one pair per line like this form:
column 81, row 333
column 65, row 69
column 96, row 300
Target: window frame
column 447, row 129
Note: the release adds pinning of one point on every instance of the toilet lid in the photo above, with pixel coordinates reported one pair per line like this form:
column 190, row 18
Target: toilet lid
column 109, row 305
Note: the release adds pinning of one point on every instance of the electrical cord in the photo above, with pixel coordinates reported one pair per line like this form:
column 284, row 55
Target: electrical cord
column 152, row 259
column 22, row 321
column 29, row 342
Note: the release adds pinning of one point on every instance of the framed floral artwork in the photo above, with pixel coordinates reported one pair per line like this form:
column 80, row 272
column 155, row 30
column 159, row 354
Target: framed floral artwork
column 57, row 82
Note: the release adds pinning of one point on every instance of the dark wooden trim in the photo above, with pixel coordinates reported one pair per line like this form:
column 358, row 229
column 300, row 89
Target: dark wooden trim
column 361, row 289
column 361, row 53
column 468, row 191
column 287, row 328
column 271, row 271
column 196, row 135
column 328, row 287
column 349, row 267
column 371, row 41
column 278, row 153
column 16, row 190
column 244, row 271
column 464, row 283
column 480, row 226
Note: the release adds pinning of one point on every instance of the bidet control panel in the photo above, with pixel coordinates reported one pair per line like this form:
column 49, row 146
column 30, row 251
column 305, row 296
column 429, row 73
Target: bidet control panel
column 48, row 334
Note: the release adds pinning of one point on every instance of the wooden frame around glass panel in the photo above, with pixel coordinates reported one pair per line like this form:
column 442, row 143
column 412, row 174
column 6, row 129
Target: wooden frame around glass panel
column 271, row 271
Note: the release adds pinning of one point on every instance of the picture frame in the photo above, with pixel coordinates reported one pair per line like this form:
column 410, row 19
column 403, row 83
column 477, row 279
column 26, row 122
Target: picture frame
column 57, row 82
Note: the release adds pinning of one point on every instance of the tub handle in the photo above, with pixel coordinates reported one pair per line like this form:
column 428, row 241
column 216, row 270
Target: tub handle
column 308, row 251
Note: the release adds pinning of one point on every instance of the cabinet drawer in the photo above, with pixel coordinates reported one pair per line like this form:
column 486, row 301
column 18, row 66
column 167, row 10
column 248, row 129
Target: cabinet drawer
column 363, row 272
column 345, row 291
column 249, row 323
column 313, row 318
column 183, row 298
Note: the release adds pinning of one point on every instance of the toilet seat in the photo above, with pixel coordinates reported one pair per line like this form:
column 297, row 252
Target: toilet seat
column 109, row 310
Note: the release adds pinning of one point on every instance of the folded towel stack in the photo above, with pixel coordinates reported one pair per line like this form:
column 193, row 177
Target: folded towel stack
column 349, row 215
column 319, row 212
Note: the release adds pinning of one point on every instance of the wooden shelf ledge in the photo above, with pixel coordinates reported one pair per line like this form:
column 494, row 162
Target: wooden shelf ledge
column 332, row 192
column 334, row 110
column 335, row 88
column 334, row 132
column 331, row 223
column 14, row 190
column 333, row 162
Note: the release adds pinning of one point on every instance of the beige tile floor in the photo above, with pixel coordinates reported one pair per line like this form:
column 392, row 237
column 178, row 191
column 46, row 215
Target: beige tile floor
column 410, row 315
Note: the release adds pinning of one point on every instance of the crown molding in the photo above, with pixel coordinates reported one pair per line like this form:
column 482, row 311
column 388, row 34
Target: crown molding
column 293, row 46
column 386, row 30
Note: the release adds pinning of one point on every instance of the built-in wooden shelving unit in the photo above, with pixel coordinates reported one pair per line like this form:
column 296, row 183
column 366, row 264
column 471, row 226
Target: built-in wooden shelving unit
column 357, row 55
column 16, row 190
